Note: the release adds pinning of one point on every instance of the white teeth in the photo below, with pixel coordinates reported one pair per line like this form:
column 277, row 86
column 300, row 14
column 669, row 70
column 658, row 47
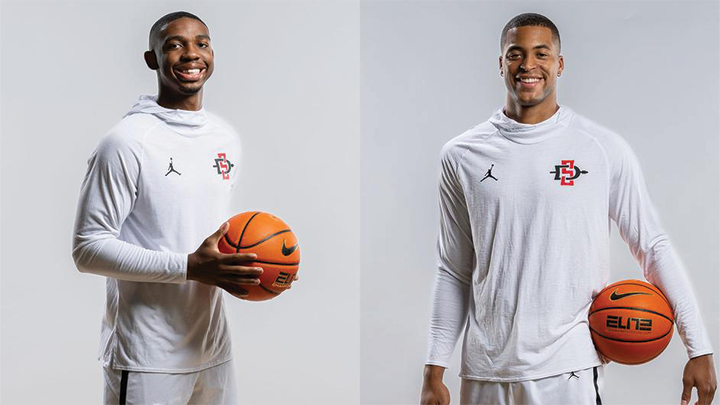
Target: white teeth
column 191, row 71
column 529, row 80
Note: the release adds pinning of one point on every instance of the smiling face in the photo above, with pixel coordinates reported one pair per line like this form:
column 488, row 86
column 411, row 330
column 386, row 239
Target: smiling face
column 530, row 63
column 182, row 56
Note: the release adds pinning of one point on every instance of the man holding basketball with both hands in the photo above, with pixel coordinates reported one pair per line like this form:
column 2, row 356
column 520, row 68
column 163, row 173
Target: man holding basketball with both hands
column 521, row 257
column 151, row 193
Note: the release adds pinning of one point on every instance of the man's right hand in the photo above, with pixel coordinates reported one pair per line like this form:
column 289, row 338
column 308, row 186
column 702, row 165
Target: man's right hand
column 227, row 271
column 434, row 392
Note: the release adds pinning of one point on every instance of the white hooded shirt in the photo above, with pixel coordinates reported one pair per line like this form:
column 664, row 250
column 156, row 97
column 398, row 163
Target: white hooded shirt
column 523, row 247
column 156, row 186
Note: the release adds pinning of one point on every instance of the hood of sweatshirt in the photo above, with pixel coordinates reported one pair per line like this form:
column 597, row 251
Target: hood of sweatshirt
column 530, row 133
column 184, row 122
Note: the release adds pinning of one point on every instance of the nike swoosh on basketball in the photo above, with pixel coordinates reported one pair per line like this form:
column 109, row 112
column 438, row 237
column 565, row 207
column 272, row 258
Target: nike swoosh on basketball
column 615, row 296
column 288, row 251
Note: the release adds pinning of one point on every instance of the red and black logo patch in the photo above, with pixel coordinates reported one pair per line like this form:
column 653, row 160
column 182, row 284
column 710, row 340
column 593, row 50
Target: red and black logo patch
column 223, row 166
column 567, row 172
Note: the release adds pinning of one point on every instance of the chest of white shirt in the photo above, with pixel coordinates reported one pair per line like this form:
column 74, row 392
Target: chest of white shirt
column 566, row 175
column 189, row 169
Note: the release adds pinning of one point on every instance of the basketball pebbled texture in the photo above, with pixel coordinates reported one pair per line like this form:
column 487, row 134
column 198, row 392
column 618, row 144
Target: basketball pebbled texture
column 275, row 245
column 631, row 322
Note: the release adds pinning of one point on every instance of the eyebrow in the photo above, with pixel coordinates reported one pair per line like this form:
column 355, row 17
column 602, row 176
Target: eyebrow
column 182, row 38
column 515, row 47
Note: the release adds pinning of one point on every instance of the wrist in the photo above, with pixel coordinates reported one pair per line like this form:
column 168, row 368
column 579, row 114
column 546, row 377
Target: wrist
column 433, row 372
column 190, row 271
column 706, row 356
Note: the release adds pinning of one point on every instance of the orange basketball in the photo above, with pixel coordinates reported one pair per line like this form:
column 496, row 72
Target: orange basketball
column 631, row 322
column 276, row 247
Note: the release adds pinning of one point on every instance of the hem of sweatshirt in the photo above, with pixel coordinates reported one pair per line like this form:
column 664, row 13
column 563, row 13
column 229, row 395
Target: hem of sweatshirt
column 532, row 377
column 171, row 370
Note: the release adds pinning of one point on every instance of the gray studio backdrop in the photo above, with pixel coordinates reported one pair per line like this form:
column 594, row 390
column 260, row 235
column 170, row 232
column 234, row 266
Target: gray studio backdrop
column 646, row 69
column 287, row 78
column 331, row 94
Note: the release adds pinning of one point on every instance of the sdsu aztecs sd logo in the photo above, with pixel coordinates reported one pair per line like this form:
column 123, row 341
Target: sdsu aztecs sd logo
column 567, row 172
column 223, row 166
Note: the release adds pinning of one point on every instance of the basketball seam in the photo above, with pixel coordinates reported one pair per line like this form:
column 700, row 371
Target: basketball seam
column 266, row 238
column 279, row 264
column 630, row 341
column 243, row 231
column 662, row 295
column 229, row 242
column 268, row 290
column 672, row 322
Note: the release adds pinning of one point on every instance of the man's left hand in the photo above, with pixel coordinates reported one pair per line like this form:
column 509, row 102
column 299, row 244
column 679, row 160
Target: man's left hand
column 699, row 373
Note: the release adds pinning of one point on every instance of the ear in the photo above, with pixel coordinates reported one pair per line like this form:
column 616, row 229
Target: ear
column 561, row 62
column 500, row 64
column 151, row 60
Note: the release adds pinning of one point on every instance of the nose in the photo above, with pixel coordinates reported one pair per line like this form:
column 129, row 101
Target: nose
column 190, row 53
column 528, row 63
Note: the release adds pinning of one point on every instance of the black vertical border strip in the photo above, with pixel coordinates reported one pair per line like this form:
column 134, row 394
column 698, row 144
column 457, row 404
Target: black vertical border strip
column 598, row 401
column 123, row 386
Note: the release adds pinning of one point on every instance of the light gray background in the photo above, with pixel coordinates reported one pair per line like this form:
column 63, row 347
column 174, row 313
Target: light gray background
column 286, row 77
column 430, row 71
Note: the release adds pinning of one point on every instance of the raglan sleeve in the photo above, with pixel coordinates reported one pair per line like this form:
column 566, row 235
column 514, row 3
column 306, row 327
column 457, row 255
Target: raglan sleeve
column 639, row 226
column 456, row 260
column 107, row 196
column 237, row 155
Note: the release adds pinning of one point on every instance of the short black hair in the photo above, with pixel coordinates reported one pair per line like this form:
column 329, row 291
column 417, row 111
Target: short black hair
column 530, row 20
column 167, row 19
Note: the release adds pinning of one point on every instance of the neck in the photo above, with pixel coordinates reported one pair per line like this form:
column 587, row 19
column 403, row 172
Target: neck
column 174, row 101
column 530, row 114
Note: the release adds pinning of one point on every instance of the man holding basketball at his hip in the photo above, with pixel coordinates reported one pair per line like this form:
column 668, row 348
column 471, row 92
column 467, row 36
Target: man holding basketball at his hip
column 521, row 258
column 156, row 185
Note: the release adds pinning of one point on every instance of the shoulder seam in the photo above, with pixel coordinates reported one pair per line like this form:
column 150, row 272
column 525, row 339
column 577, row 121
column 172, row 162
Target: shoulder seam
column 144, row 137
column 142, row 151
column 604, row 152
column 462, row 156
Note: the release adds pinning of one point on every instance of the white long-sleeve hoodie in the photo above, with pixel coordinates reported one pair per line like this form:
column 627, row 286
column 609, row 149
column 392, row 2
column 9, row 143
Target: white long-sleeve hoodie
column 156, row 186
column 523, row 246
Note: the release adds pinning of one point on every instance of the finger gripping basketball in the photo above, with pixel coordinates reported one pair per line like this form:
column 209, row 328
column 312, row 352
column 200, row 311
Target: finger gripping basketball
column 631, row 322
column 275, row 245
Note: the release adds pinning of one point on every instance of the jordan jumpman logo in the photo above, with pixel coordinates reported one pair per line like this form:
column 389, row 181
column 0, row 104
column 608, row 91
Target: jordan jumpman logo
column 172, row 169
column 489, row 174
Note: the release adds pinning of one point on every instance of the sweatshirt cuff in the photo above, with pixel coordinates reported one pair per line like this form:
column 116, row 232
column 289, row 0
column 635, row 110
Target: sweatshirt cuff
column 692, row 355
column 178, row 268
column 436, row 359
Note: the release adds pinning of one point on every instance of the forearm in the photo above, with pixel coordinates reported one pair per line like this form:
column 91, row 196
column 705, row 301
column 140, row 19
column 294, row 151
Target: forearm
column 663, row 268
column 107, row 196
column 110, row 257
column 639, row 225
column 448, row 317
